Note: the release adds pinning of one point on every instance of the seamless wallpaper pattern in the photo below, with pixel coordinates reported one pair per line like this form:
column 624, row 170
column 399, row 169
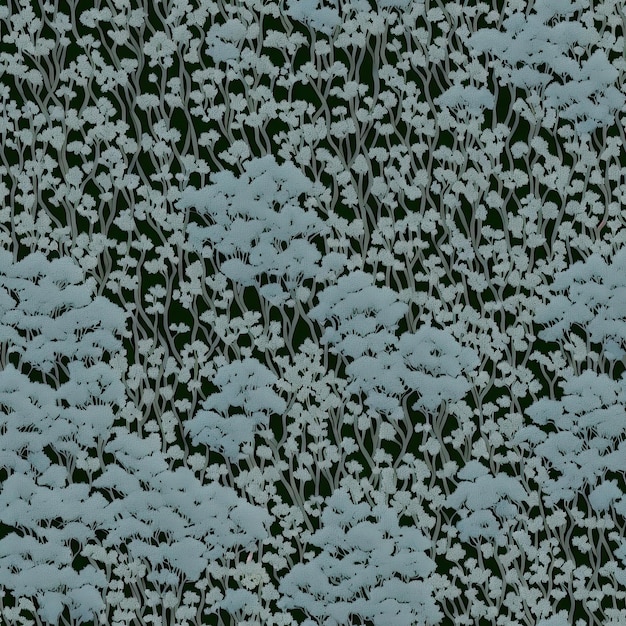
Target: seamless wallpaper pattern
column 312, row 312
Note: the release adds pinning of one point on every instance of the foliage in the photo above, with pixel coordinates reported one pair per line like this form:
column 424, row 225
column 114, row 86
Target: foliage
column 311, row 311
column 368, row 566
